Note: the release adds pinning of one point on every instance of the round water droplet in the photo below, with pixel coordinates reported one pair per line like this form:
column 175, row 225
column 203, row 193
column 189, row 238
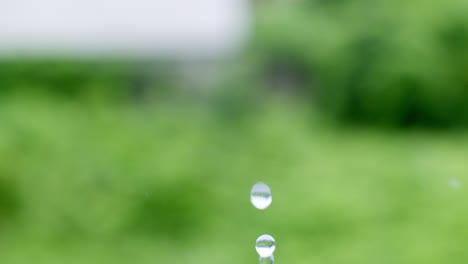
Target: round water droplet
column 260, row 196
column 265, row 246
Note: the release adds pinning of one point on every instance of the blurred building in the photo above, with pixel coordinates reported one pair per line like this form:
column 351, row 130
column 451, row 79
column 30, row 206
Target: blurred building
column 160, row 28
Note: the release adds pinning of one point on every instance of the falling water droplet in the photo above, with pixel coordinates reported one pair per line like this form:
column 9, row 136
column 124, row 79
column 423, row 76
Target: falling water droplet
column 267, row 260
column 260, row 196
column 265, row 246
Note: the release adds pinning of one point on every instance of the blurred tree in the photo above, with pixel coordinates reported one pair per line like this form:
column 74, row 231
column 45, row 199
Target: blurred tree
column 390, row 63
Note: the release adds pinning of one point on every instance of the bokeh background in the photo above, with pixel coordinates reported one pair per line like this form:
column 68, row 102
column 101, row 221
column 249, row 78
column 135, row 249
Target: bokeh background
column 354, row 112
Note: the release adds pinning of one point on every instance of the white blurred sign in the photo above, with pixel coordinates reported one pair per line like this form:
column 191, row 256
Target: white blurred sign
column 172, row 28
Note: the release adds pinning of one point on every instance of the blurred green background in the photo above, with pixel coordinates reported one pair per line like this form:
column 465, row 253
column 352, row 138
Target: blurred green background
column 354, row 112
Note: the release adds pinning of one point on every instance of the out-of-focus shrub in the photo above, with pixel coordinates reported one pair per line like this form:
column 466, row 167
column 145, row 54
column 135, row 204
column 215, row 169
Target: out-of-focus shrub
column 394, row 63
column 72, row 78
column 9, row 203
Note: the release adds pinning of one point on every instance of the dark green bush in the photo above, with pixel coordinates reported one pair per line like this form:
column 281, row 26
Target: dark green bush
column 9, row 204
column 72, row 78
column 392, row 63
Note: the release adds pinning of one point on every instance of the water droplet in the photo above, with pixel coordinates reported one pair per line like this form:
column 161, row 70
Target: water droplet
column 267, row 260
column 265, row 246
column 260, row 196
column 454, row 183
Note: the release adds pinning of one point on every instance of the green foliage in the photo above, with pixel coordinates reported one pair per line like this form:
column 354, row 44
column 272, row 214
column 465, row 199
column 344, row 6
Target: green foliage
column 169, row 183
column 391, row 63
column 8, row 200
column 84, row 79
